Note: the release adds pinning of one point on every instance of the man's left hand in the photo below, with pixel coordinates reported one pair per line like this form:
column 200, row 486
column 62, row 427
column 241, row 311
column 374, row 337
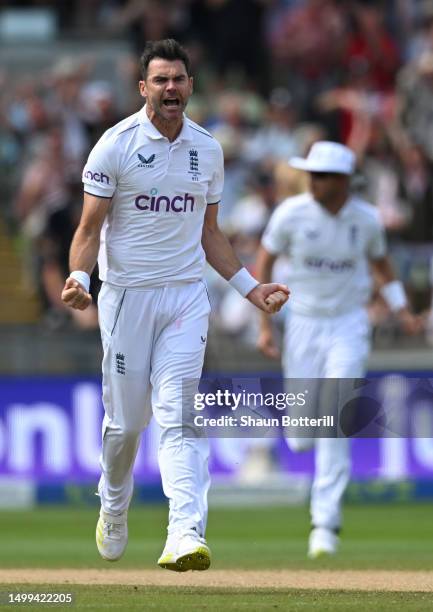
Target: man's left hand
column 270, row 297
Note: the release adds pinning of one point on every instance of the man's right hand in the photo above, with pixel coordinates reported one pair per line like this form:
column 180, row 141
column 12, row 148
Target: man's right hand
column 267, row 345
column 74, row 295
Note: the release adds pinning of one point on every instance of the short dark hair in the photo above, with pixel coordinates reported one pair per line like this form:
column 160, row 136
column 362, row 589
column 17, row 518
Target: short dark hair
column 168, row 49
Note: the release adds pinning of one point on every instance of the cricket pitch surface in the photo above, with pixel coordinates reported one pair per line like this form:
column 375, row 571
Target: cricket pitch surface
column 360, row 580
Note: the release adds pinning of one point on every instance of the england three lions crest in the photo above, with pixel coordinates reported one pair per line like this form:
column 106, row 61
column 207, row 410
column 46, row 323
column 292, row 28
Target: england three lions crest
column 194, row 164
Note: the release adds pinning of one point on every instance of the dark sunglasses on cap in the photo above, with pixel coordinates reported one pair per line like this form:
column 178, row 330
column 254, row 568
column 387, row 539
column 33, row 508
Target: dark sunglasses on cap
column 325, row 175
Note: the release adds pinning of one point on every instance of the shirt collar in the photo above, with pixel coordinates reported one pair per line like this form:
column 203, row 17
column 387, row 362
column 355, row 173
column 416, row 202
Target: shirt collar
column 344, row 211
column 151, row 131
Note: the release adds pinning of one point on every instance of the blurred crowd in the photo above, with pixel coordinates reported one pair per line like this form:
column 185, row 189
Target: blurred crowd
column 271, row 77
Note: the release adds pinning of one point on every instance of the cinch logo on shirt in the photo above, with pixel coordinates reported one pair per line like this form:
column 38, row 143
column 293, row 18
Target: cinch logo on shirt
column 320, row 263
column 98, row 177
column 163, row 203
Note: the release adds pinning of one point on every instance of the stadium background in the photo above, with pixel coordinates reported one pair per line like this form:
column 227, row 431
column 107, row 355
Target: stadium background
column 271, row 77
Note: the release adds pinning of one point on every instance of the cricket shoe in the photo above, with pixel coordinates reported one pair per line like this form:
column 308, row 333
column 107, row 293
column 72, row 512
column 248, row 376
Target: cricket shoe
column 185, row 551
column 111, row 535
column 322, row 542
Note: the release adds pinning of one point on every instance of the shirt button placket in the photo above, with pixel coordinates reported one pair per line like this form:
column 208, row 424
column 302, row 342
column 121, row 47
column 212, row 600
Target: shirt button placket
column 169, row 149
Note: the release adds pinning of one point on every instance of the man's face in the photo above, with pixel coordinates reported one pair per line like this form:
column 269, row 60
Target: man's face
column 327, row 186
column 167, row 89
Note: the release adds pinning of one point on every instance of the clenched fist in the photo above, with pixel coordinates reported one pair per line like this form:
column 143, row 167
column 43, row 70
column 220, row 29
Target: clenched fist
column 74, row 295
column 270, row 297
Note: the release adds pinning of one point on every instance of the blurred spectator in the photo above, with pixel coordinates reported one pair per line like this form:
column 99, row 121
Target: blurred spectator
column 43, row 189
column 382, row 187
column 372, row 47
column 10, row 152
column 251, row 213
column 308, row 43
column 25, row 110
column 288, row 181
column 148, row 20
column 98, row 111
column 274, row 140
column 415, row 92
column 231, row 34
column 46, row 209
column 235, row 169
column 421, row 39
column 415, row 183
column 63, row 101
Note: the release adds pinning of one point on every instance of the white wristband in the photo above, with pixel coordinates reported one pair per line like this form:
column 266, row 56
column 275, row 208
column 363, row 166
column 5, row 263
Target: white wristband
column 243, row 282
column 394, row 295
column 82, row 277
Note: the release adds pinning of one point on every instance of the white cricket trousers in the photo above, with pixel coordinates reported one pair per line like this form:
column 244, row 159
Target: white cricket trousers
column 152, row 340
column 326, row 347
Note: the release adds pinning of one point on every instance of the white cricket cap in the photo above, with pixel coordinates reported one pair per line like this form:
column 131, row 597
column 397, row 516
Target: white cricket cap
column 326, row 156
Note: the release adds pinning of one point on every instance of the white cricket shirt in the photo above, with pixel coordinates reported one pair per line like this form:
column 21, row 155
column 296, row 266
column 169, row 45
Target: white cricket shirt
column 328, row 272
column 160, row 191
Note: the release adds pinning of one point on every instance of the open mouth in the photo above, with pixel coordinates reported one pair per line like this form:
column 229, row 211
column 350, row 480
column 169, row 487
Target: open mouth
column 171, row 102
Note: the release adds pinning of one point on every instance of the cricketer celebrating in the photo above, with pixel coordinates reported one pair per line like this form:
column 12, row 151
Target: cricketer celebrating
column 333, row 241
column 152, row 187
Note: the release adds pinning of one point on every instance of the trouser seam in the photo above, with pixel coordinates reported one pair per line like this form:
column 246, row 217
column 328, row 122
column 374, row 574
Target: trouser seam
column 119, row 308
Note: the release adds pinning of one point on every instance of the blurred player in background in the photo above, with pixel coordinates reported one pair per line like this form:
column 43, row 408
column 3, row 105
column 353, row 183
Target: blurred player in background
column 334, row 242
column 152, row 187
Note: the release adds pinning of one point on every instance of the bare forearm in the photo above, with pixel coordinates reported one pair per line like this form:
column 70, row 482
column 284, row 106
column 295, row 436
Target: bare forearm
column 393, row 292
column 219, row 252
column 264, row 268
column 264, row 265
column 383, row 271
column 84, row 250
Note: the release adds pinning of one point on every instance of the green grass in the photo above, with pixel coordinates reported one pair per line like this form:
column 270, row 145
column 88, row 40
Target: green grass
column 374, row 536
column 180, row 599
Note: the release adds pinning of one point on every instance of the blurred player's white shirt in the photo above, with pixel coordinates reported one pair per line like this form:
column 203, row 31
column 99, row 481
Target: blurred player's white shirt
column 328, row 272
column 160, row 191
